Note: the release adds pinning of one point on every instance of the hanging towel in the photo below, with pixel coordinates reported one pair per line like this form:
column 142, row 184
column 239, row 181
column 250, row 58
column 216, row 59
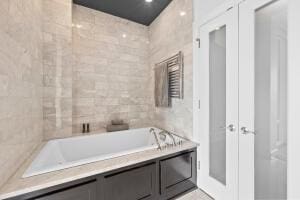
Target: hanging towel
column 162, row 86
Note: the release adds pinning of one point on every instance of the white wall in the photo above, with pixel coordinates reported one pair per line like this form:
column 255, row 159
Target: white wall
column 204, row 7
column 205, row 10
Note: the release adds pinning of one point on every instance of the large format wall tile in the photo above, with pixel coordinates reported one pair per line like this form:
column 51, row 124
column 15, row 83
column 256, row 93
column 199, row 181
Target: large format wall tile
column 111, row 70
column 21, row 114
column 62, row 65
column 169, row 34
column 57, row 76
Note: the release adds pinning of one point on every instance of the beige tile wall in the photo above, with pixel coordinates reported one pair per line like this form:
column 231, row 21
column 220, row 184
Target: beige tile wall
column 21, row 115
column 112, row 75
column 57, row 60
column 111, row 70
column 54, row 77
column 169, row 34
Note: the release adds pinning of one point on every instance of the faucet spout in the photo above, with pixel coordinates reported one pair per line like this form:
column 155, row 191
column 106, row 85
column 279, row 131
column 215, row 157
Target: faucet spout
column 170, row 135
column 156, row 138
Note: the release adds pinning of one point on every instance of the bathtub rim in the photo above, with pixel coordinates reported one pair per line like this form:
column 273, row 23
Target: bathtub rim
column 89, row 160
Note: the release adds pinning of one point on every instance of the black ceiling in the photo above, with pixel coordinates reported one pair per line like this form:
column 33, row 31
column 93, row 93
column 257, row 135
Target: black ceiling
column 138, row 11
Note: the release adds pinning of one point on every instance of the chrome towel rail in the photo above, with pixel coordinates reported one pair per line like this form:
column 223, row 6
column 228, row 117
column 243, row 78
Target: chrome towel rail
column 175, row 71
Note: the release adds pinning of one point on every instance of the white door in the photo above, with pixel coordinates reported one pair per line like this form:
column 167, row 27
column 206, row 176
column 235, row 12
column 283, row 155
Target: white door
column 217, row 90
column 269, row 99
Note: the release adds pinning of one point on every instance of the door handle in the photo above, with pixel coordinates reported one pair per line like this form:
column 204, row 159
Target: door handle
column 245, row 131
column 230, row 127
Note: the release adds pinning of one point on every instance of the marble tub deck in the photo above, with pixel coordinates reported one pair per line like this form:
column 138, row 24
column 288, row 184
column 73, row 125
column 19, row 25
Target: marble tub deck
column 18, row 186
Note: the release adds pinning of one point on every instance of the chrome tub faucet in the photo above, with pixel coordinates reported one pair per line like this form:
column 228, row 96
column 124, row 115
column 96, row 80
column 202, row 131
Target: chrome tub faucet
column 165, row 133
column 156, row 138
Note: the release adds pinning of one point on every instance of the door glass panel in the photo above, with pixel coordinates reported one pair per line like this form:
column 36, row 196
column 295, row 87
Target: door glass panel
column 271, row 101
column 217, row 106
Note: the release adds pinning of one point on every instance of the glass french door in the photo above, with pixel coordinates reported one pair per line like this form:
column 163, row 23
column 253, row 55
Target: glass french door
column 218, row 86
column 265, row 74
column 248, row 85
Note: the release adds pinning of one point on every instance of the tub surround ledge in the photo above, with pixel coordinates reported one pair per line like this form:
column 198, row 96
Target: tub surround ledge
column 17, row 185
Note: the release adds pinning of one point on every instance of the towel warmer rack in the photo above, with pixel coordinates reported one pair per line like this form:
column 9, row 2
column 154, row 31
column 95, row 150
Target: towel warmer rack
column 175, row 71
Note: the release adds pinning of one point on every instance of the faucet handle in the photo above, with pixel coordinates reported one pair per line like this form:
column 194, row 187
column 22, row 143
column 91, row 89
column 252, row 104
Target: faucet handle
column 151, row 130
column 162, row 136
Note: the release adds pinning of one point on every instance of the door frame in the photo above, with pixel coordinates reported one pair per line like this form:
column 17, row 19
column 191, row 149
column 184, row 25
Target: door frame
column 293, row 138
column 228, row 18
column 246, row 112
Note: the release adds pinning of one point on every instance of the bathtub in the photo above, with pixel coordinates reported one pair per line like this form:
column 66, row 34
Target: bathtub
column 70, row 152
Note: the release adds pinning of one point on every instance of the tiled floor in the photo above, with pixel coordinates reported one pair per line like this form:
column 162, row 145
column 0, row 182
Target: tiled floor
column 196, row 195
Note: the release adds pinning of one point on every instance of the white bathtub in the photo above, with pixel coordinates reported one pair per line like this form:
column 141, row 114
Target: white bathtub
column 70, row 152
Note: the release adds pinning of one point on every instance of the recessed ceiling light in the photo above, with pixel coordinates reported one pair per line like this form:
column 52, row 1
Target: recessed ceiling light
column 124, row 35
column 182, row 13
column 148, row 1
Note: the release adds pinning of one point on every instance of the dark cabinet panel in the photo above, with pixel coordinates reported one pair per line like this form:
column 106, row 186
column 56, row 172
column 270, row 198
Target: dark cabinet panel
column 162, row 178
column 178, row 174
column 82, row 192
column 132, row 184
